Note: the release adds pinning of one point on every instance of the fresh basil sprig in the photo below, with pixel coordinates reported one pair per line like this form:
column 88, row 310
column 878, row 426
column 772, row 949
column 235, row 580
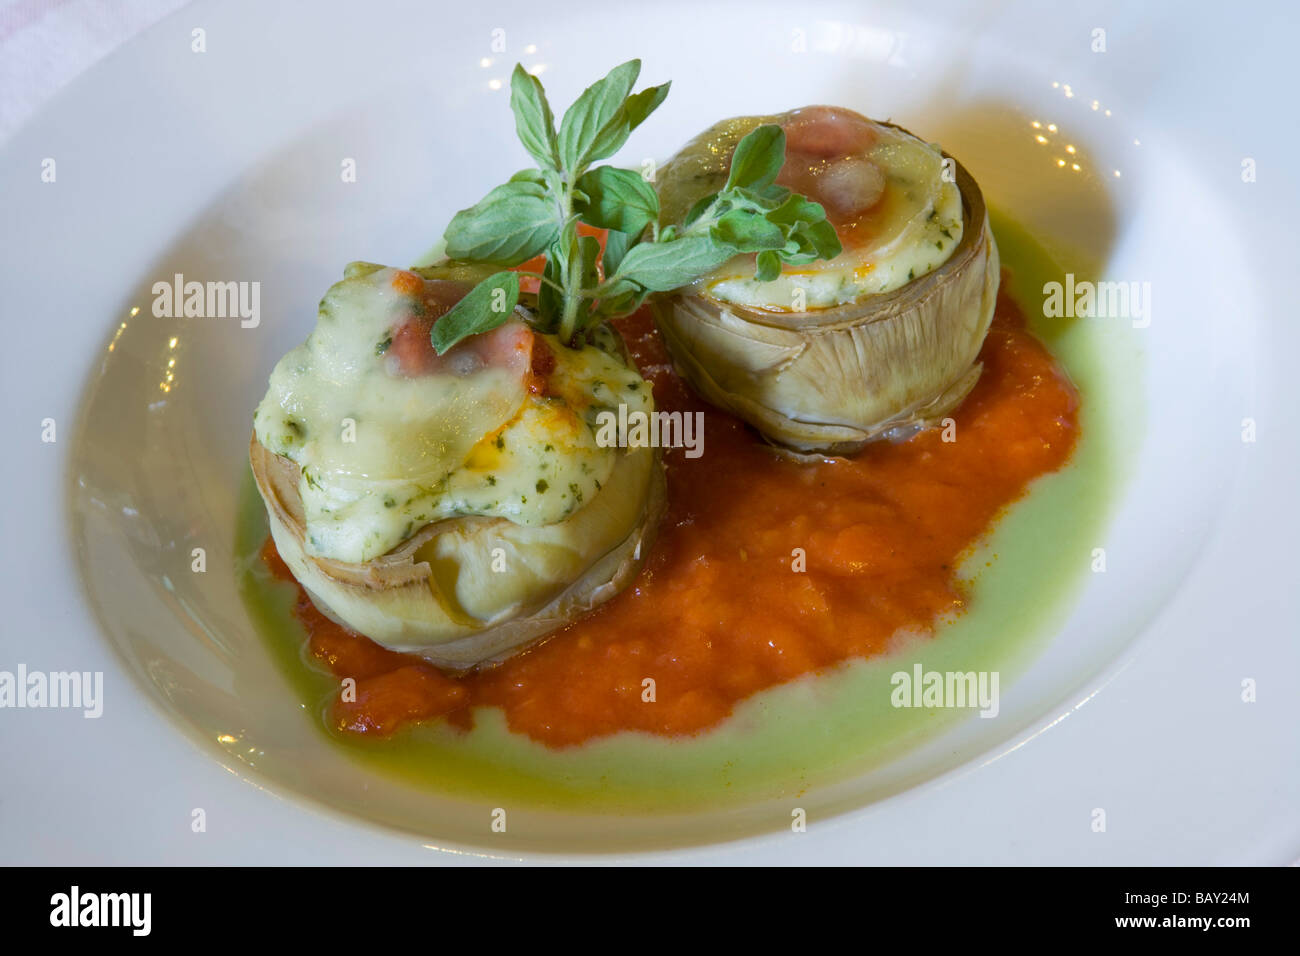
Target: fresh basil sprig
column 486, row 306
column 538, row 210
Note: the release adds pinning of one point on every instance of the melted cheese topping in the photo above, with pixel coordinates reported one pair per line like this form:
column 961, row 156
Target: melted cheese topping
column 384, row 451
column 909, row 228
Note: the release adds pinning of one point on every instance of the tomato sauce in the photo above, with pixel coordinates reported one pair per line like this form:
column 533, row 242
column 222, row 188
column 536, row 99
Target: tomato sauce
column 765, row 569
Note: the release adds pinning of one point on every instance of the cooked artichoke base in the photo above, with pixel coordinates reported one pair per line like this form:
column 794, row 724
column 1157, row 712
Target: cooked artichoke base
column 836, row 354
column 384, row 452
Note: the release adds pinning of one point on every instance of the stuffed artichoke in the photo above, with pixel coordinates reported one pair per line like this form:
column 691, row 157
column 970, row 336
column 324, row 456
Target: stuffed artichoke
column 456, row 504
column 876, row 342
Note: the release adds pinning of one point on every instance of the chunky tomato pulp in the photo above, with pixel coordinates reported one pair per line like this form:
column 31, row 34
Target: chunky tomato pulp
column 764, row 570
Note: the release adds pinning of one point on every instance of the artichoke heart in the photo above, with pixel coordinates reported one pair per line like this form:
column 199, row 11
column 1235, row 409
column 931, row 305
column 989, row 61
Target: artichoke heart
column 876, row 343
column 457, row 505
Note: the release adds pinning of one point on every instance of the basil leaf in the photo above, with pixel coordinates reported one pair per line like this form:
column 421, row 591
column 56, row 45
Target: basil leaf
column 617, row 199
column 758, row 158
column 663, row 266
column 486, row 306
column 628, row 117
column 697, row 210
column 767, row 266
column 510, row 225
column 616, row 246
column 769, row 197
column 797, row 209
column 798, row 250
column 539, row 209
column 825, row 241
column 622, row 297
column 554, row 181
column 589, row 248
column 811, row 242
column 533, row 120
column 639, row 106
column 765, row 200
column 592, row 111
column 549, row 302
column 748, row 231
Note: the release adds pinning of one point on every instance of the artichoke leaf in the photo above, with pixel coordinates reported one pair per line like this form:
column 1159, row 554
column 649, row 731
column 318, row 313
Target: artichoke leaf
column 437, row 595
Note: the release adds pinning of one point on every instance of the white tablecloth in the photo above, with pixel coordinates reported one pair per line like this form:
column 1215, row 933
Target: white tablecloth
column 46, row 44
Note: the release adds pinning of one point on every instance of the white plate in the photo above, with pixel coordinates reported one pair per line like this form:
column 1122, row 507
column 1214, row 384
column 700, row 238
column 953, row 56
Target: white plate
column 228, row 161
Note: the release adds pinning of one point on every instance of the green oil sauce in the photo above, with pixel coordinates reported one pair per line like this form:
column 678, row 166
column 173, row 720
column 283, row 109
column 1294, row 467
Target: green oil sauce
column 822, row 728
